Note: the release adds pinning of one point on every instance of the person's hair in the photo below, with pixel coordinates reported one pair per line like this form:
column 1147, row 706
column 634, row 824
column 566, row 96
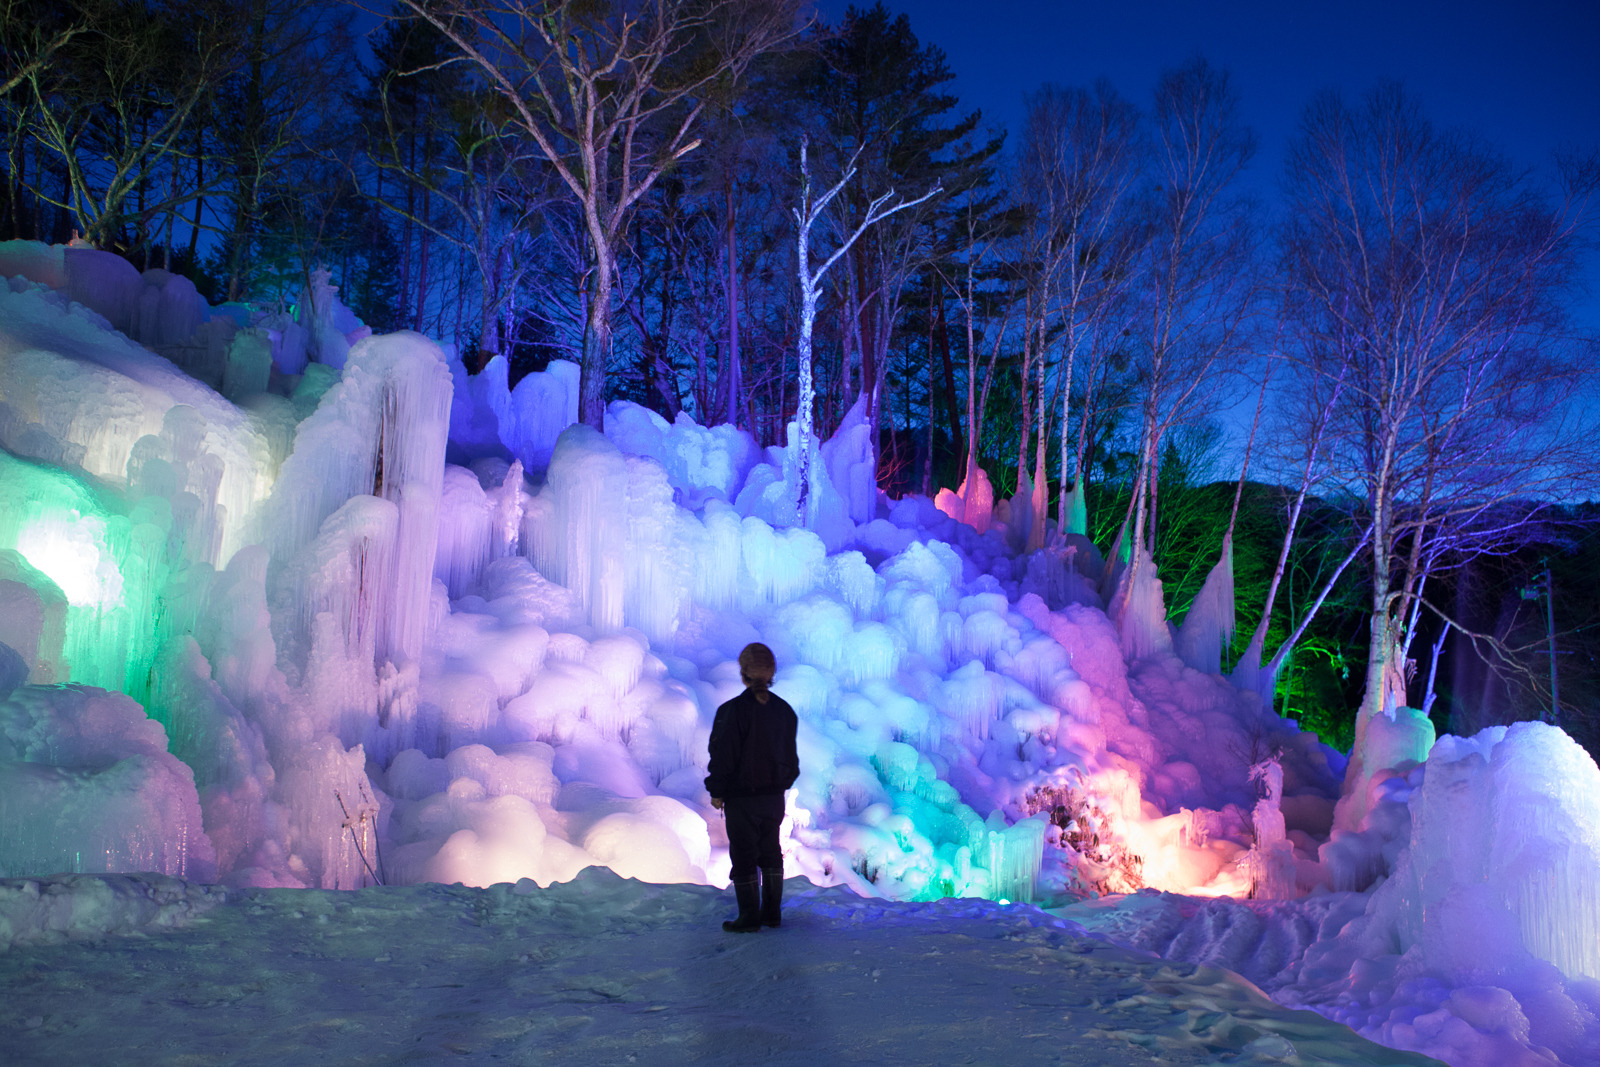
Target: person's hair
column 757, row 666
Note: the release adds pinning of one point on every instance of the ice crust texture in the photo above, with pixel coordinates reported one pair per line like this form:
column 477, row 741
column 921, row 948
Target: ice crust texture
column 391, row 616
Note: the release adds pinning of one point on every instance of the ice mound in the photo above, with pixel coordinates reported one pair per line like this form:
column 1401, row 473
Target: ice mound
column 527, row 419
column 375, row 665
column 702, row 463
column 87, row 785
column 1478, row 949
column 78, row 395
column 1504, row 861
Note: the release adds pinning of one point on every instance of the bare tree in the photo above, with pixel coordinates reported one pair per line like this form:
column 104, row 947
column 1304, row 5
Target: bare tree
column 1427, row 280
column 1198, row 283
column 806, row 214
column 111, row 107
column 1079, row 168
column 611, row 93
column 476, row 170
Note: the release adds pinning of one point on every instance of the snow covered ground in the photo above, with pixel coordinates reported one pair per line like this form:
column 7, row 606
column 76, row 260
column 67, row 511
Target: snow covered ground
column 284, row 605
column 601, row 970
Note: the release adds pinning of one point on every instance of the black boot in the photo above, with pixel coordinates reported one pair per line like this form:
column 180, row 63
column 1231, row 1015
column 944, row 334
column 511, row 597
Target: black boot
column 748, row 894
column 771, row 896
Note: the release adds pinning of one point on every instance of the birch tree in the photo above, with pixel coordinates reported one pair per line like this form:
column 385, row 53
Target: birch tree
column 1428, row 279
column 806, row 213
column 611, row 92
column 1197, row 279
column 1080, row 165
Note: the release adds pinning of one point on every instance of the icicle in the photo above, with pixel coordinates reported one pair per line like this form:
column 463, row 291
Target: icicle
column 1271, row 860
column 380, row 431
column 1210, row 621
column 972, row 697
column 1504, row 821
column 1019, row 524
column 508, row 505
column 1139, row 612
column 716, row 580
column 977, row 500
column 847, row 456
column 1251, row 676
column 605, row 526
column 467, row 532
column 588, row 479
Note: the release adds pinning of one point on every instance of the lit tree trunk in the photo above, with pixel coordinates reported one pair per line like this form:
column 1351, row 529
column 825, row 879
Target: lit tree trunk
column 1064, row 523
column 805, row 216
column 1026, row 411
column 1041, row 494
column 597, row 338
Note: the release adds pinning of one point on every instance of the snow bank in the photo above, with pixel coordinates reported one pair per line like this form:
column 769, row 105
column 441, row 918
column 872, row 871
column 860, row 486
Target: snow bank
column 78, row 907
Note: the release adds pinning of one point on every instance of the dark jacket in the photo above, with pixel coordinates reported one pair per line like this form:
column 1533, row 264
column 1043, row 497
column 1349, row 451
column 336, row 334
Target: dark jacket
column 752, row 747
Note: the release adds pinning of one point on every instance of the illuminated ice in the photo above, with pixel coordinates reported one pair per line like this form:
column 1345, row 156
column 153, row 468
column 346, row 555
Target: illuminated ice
column 33, row 618
column 703, row 463
column 531, row 416
column 1504, row 856
column 1209, row 624
column 380, row 666
column 87, row 784
column 1139, row 610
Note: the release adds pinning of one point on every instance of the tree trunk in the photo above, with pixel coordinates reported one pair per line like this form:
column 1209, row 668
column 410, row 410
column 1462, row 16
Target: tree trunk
column 422, row 273
column 941, row 332
column 200, row 200
column 248, row 203
column 1041, row 488
column 803, row 404
column 597, row 340
column 1064, row 520
column 735, row 386
column 1022, row 395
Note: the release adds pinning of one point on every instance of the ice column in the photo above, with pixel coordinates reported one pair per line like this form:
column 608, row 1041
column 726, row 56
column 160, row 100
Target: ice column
column 605, row 526
column 380, row 432
column 1272, row 859
column 1209, row 624
column 581, row 541
column 1016, row 853
column 1505, row 846
column 1139, row 611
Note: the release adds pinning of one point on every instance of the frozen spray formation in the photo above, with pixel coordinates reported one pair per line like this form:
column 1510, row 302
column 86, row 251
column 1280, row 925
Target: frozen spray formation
column 369, row 617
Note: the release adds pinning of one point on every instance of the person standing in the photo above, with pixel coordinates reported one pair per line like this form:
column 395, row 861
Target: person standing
column 753, row 761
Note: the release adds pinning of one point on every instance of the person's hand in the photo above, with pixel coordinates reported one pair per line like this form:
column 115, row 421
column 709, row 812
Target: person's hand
column 716, row 802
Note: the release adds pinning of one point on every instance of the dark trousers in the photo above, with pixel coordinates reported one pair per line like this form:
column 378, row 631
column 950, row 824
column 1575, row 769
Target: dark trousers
column 753, row 834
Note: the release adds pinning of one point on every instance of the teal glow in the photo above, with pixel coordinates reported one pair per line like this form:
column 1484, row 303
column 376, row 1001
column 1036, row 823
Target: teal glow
column 71, row 549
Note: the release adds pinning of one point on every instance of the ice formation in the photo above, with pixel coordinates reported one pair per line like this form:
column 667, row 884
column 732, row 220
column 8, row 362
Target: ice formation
column 389, row 620
column 1208, row 626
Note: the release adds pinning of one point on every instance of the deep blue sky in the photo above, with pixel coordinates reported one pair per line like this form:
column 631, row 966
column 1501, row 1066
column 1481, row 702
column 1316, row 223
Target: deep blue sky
column 1524, row 74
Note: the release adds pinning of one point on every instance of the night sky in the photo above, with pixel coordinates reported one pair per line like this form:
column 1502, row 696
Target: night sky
column 1524, row 74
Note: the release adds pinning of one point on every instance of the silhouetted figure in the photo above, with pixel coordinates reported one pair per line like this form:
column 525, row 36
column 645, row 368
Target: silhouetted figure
column 753, row 760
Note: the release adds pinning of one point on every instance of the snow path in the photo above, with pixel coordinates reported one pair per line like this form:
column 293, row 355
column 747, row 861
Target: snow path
column 604, row 970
